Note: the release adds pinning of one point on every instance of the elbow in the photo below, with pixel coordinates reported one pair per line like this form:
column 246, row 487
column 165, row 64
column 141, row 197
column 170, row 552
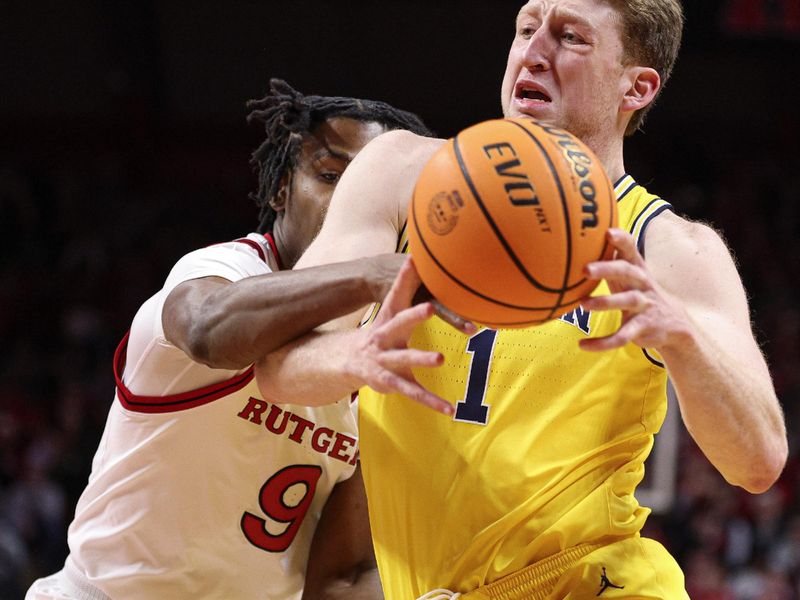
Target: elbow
column 765, row 472
column 197, row 342
column 201, row 347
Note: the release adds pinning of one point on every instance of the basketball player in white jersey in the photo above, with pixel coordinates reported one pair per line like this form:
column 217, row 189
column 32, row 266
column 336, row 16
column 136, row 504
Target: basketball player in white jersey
column 201, row 487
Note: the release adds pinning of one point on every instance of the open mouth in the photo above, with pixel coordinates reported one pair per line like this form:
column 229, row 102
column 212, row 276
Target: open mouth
column 534, row 95
column 528, row 92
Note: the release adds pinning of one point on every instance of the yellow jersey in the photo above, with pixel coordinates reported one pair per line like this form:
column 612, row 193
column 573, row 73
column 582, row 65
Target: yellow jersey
column 545, row 449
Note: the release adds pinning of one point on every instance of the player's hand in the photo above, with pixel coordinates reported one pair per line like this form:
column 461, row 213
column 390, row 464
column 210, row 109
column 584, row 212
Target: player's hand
column 382, row 358
column 383, row 273
column 650, row 316
column 445, row 314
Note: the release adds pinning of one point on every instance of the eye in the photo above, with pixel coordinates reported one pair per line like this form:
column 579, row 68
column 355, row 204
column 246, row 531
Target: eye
column 571, row 37
column 330, row 176
column 526, row 28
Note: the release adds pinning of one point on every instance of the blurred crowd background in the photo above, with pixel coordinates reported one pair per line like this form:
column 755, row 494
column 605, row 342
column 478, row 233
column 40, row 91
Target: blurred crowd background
column 123, row 145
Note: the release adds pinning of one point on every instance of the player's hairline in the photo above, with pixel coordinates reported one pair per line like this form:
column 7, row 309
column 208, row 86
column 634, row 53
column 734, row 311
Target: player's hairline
column 326, row 150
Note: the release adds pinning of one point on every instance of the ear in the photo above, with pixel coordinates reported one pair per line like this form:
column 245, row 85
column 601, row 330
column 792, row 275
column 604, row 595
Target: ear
column 643, row 85
column 278, row 202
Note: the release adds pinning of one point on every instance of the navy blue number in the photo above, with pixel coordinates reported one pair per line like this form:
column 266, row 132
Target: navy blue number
column 472, row 409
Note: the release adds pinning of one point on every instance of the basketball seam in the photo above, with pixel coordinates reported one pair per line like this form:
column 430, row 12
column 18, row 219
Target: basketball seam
column 498, row 234
column 559, row 306
column 611, row 195
column 456, row 280
column 567, row 224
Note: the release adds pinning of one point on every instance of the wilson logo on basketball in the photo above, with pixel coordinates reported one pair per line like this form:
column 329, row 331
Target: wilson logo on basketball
column 581, row 164
column 443, row 212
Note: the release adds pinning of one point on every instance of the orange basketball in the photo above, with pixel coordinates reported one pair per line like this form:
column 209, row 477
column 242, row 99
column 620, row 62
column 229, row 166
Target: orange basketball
column 504, row 218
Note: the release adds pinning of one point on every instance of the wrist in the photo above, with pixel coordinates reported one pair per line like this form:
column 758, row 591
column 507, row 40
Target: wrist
column 350, row 367
column 380, row 273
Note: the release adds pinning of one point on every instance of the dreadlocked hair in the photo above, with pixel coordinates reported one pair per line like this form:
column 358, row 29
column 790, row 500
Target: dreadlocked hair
column 289, row 116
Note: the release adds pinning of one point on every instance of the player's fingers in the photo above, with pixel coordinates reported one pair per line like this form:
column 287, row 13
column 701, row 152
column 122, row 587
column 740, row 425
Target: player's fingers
column 392, row 382
column 399, row 327
column 634, row 301
column 625, row 334
column 410, row 357
column 403, row 289
column 625, row 246
column 620, row 272
column 445, row 314
column 451, row 318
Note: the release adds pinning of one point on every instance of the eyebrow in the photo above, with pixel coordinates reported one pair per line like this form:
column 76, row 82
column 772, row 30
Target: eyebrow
column 559, row 12
column 326, row 151
column 567, row 14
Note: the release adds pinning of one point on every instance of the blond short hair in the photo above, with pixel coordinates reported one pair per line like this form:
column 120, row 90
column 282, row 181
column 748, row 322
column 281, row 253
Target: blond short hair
column 651, row 36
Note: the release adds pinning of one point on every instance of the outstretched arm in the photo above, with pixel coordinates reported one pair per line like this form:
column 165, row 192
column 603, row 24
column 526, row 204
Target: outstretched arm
column 341, row 563
column 687, row 302
column 322, row 367
column 231, row 325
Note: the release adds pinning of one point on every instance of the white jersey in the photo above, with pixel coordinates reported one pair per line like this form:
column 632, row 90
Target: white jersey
column 201, row 488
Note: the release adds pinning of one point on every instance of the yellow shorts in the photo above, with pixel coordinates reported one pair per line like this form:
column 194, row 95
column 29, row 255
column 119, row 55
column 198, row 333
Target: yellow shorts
column 628, row 569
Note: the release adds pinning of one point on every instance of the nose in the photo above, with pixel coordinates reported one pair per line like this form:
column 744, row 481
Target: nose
column 536, row 54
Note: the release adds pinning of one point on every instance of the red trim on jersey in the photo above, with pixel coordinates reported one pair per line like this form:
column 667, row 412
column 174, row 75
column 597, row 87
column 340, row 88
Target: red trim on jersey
column 255, row 246
column 274, row 248
column 174, row 402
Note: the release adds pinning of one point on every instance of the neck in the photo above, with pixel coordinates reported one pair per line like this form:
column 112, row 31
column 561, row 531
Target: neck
column 610, row 154
column 614, row 169
column 285, row 257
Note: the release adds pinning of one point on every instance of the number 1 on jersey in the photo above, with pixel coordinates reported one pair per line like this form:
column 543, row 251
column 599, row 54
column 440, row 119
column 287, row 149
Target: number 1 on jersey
column 472, row 409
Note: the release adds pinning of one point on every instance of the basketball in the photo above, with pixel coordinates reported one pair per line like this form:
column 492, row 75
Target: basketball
column 503, row 219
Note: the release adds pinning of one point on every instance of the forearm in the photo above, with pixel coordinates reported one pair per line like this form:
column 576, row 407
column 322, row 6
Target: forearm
column 312, row 370
column 730, row 409
column 237, row 324
column 321, row 367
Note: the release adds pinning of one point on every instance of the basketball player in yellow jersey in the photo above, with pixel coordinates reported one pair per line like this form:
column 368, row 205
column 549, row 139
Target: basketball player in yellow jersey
column 579, row 425
column 526, row 490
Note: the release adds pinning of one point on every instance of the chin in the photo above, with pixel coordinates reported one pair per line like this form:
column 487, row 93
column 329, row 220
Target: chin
column 540, row 116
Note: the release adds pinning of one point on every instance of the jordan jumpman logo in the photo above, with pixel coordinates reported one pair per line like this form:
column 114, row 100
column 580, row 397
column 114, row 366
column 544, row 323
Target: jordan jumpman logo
column 605, row 583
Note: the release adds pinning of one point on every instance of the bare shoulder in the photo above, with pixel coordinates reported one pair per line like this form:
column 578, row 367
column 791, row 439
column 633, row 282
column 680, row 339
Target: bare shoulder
column 387, row 170
column 678, row 238
column 402, row 147
column 692, row 261
column 404, row 139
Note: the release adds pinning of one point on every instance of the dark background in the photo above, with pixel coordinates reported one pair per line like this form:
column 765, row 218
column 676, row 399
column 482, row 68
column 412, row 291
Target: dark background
column 123, row 145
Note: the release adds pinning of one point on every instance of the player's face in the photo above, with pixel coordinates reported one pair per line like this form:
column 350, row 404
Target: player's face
column 322, row 160
column 565, row 66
